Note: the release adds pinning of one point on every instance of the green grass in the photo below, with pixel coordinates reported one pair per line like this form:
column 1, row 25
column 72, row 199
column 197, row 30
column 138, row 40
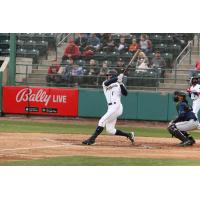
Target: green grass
column 50, row 127
column 102, row 161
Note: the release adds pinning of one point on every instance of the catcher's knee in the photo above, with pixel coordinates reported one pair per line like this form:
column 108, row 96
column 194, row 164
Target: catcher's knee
column 172, row 129
column 111, row 131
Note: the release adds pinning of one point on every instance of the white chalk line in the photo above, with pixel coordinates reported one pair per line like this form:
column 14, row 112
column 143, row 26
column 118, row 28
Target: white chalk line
column 39, row 147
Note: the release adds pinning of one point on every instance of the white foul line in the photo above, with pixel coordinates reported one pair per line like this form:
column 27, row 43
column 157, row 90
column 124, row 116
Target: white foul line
column 39, row 147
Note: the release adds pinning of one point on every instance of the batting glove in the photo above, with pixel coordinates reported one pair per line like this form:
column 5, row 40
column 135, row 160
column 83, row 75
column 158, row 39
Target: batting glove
column 120, row 78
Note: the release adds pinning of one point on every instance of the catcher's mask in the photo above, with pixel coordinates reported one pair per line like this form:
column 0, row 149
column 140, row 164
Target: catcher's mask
column 111, row 74
column 178, row 94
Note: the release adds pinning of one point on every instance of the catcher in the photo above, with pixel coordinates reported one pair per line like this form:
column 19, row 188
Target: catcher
column 113, row 88
column 186, row 121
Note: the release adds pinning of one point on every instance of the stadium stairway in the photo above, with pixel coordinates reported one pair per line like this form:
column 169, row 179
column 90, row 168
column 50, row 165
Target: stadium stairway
column 182, row 73
column 38, row 75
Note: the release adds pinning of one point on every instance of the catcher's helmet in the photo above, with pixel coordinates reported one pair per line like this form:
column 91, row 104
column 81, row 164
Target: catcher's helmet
column 112, row 73
column 177, row 94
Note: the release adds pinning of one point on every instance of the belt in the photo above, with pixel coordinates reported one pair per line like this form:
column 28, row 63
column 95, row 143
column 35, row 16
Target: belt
column 111, row 103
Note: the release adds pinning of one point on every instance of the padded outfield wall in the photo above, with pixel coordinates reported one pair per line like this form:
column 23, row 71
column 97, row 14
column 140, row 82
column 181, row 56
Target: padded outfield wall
column 74, row 102
column 137, row 105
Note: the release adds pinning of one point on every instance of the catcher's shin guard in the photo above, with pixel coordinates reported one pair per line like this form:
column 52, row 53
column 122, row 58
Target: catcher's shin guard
column 177, row 133
column 91, row 140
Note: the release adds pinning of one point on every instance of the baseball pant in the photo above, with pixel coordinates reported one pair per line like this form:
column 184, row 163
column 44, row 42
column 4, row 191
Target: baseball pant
column 110, row 118
column 196, row 106
column 187, row 125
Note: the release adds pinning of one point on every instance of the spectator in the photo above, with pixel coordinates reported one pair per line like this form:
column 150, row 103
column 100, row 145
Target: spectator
column 64, row 72
column 194, row 72
column 108, row 43
column 93, row 42
column 122, row 46
column 104, row 69
column 81, row 41
column 93, row 68
column 142, row 63
column 159, row 64
column 88, row 52
column 76, row 70
column 145, row 44
column 71, row 50
column 134, row 46
column 120, row 65
column 52, row 71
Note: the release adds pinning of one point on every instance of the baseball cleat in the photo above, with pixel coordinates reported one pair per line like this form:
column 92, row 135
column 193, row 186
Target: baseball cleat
column 88, row 142
column 131, row 137
column 188, row 142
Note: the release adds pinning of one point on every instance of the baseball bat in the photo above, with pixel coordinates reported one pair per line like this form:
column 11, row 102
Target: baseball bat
column 132, row 59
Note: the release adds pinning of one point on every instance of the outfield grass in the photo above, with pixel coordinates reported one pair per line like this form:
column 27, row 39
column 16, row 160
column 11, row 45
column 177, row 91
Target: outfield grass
column 50, row 127
column 102, row 161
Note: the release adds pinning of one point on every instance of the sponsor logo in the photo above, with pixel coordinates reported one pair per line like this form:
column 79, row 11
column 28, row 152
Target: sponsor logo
column 40, row 96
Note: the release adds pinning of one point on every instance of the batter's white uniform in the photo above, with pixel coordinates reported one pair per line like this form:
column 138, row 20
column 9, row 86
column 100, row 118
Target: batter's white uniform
column 195, row 96
column 113, row 97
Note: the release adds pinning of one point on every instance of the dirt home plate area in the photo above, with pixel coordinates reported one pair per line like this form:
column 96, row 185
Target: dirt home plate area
column 28, row 146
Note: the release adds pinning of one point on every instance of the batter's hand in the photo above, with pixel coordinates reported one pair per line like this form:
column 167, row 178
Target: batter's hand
column 120, row 78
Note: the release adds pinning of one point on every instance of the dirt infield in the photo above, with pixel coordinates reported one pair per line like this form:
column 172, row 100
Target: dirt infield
column 27, row 146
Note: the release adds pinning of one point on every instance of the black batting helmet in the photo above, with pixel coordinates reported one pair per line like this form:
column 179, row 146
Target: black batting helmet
column 194, row 80
column 112, row 73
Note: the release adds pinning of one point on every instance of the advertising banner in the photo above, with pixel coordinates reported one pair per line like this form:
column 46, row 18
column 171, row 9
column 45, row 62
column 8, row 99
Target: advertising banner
column 40, row 101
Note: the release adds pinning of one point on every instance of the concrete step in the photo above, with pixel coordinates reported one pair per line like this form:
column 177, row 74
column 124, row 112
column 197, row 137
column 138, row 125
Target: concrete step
column 39, row 71
column 37, row 80
column 42, row 76
column 173, row 85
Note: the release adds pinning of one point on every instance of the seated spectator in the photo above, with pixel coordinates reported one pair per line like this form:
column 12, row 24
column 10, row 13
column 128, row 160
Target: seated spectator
column 93, row 68
column 108, row 43
column 64, row 72
column 158, row 63
column 52, row 71
column 93, row 42
column 87, row 52
column 104, row 69
column 145, row 44
column 134, row 46
column 122, row 46
column 76, row 70
column 71, row 50
column 120, row 65
column 196, row 70
column 81, row 41
column 142, row 63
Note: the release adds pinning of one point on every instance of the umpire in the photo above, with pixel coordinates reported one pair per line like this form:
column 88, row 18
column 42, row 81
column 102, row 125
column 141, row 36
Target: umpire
column 186, row 121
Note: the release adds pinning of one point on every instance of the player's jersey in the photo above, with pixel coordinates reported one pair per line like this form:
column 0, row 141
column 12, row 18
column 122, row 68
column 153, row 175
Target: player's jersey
column 194, row 91
column 184, row 112
column 112, row 92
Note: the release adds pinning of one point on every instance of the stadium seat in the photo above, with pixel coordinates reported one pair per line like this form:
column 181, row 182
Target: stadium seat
column 161, row 47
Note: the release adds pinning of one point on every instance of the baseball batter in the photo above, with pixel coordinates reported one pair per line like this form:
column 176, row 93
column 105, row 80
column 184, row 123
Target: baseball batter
column 113, row 90
column 186, row 121
column 194, row 93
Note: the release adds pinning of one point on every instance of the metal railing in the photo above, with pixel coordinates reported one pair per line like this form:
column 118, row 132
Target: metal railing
column 187, row 50
column 150, row 80
column 63, row 37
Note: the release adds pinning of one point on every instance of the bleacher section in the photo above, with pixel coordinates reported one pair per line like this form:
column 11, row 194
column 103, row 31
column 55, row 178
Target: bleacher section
column 37, row 45
column 29, row 45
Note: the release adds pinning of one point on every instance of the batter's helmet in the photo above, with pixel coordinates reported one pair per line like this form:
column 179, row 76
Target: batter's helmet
column 112, row 73
column 194, row 80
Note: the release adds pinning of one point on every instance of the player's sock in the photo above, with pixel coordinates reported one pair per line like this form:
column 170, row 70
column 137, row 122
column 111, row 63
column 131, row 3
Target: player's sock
column 121, row 133
column 98, row 130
